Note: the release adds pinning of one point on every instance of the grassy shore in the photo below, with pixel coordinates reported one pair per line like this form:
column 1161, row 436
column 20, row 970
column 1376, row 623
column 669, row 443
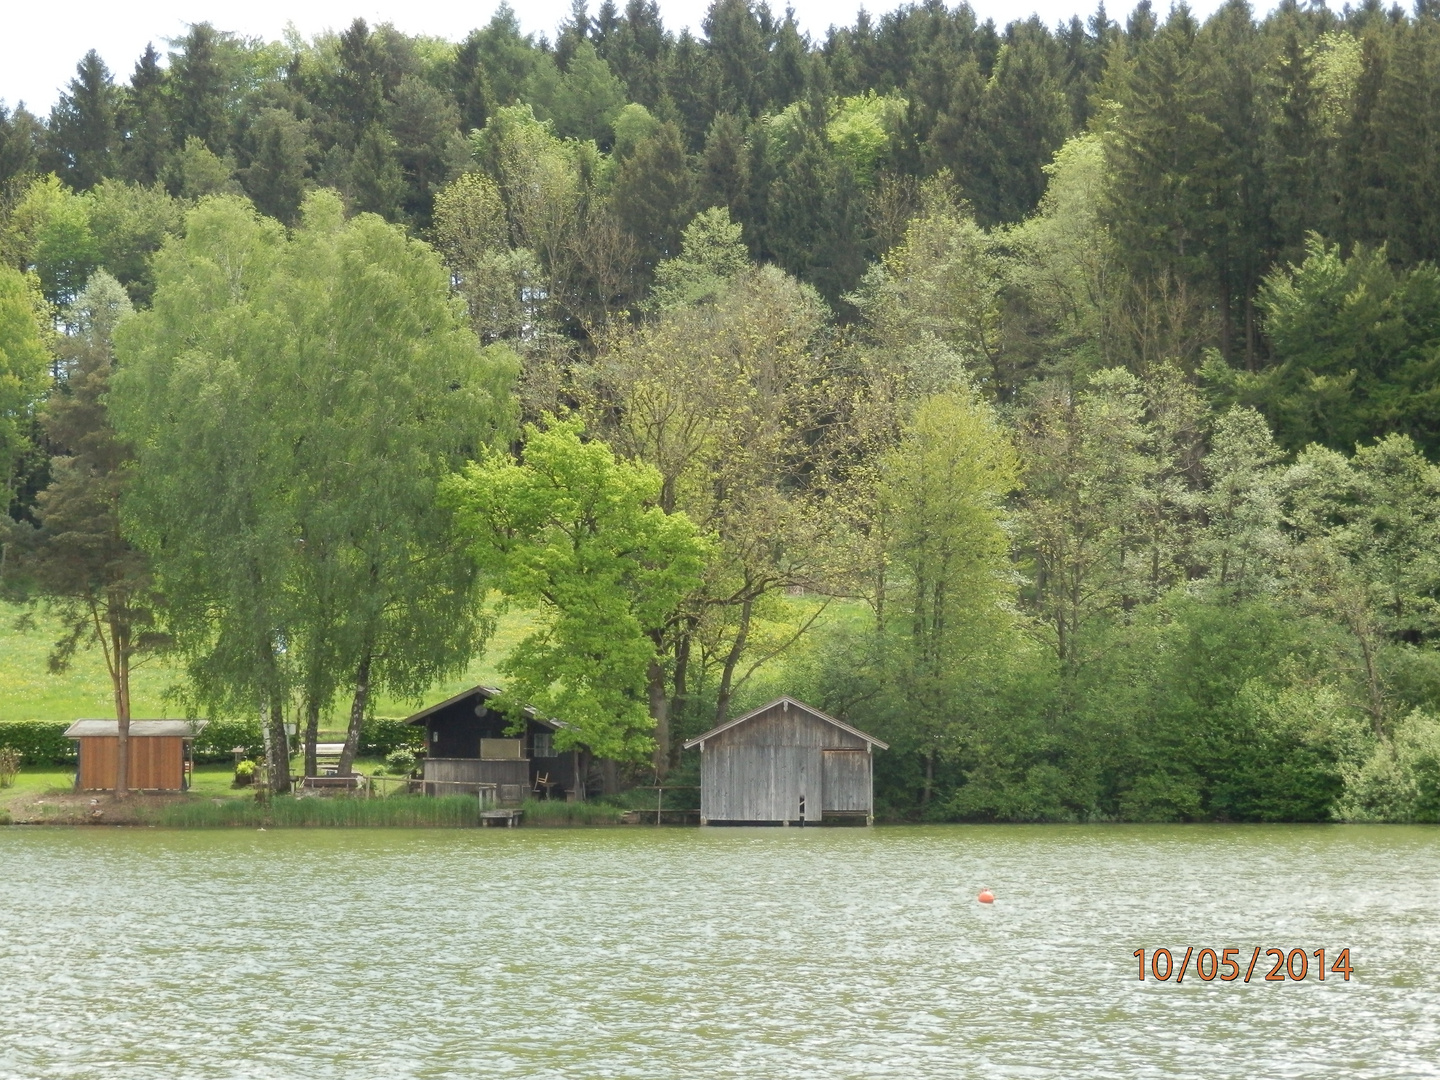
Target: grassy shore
column 48, row 796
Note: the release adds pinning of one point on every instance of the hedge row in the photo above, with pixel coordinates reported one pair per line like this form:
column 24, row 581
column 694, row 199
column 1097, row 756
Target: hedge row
column 43, row 742
column 40, row 742
column 378, row 737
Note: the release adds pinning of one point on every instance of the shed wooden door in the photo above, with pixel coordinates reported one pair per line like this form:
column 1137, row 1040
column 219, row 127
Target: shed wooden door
column 759, row 783
column 157, row 763
column 847, row 781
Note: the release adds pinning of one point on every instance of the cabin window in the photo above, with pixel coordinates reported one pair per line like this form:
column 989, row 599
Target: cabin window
column 501, row 750
column 544, row 744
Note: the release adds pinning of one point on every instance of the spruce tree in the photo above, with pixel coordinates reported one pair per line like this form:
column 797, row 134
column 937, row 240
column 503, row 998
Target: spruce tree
column 83, row 133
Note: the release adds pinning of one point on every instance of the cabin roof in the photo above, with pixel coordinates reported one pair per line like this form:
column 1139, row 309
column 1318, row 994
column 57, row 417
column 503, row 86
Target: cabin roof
column 486, row 692
column 787, row 699
column 185, row 729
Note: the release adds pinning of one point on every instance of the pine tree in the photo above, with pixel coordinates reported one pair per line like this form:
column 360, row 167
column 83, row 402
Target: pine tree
column 198, row 88
column 20, row 143
column 725, row 168
column 1297, row 165
column 654, row 195
column 95, row 581
column 144, row 121
column 1024, row 117
column 83, row 133
column 739, row 42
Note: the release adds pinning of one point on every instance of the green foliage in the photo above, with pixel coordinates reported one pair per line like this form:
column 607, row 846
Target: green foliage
column 245, row 773
column 400, row 762
column 39, row 742
column 576, row 534
column 10, row 759
column 711, row 255
column 1399, row 780
column 23, row 359
column 218, row 739
column 381, row 736
column 1355, row 343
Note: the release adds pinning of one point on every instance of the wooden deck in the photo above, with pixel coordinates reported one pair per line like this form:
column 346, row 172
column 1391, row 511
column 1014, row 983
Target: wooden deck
column 506, row 817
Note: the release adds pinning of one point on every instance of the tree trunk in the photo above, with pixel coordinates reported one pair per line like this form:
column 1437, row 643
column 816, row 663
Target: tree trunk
column 278, row 751
column 929, row 778
column 732, row 660
column 679, row 688
column 660, row 713
column 357, row 716
column 582, row 773
column 121, row 651
column 312, row 735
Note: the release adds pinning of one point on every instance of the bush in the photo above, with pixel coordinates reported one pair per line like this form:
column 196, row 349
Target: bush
column 381, row 735
column 244, row 773
column 1400, row 780
column 217, row 740
column 9, row 765
column 400, row 762
column 39, row 742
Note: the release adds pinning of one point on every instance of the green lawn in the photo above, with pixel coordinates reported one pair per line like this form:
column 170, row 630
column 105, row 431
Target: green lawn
column 28, row 690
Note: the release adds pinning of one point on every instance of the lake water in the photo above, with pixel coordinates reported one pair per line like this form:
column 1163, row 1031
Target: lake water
column 674, row 953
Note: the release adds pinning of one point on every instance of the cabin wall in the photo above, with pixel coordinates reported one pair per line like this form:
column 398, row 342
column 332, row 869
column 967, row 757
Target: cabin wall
column 454, row 735
column 762, row 769
column 512, row 778
column 157, row 763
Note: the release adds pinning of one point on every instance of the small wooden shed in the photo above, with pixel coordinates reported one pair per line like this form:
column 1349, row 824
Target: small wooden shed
column 159, row 753
column 469, row 744
column 785, row 763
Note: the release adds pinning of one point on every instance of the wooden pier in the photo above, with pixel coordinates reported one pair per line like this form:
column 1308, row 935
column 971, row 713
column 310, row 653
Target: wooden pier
column 504, row 816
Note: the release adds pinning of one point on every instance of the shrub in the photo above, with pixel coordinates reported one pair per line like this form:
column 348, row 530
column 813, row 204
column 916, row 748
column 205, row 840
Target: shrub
column 217, row 740
column 380, row 735
column 9, row 765
column 244, row 773
column 400, row 762
column 1400, row 780
column 39, row 742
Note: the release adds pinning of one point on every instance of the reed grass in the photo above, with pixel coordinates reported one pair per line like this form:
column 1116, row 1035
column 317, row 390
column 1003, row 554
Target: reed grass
column 550, row 812
column 398, row 811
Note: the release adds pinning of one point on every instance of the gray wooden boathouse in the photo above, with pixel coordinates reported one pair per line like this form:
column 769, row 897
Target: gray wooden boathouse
column 785, row 763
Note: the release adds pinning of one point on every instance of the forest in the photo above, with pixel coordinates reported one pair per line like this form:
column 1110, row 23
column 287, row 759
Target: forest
column 1058, row 404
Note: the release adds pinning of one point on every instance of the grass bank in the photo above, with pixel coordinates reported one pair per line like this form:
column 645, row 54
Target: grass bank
column 30, row 691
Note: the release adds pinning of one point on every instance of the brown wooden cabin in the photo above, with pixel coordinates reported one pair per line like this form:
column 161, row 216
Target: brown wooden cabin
column 159, row 753
column 786, row 763
column 467, row 743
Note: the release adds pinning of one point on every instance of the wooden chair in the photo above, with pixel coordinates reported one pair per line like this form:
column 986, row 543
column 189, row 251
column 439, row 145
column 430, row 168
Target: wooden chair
column 542, row 785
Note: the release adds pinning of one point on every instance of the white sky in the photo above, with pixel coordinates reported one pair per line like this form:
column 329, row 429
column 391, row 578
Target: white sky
column 41, row 44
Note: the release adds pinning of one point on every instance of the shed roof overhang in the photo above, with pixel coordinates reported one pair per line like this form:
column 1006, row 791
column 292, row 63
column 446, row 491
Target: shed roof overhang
column 787, row 700
column 141, row 729
column 486, row 692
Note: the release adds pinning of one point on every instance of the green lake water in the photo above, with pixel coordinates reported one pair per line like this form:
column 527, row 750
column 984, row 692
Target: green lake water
column 764, row 953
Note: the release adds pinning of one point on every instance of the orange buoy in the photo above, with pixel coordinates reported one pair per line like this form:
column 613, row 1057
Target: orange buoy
column 986, row 896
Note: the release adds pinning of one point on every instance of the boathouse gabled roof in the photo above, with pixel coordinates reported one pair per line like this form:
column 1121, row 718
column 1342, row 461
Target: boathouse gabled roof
column 183, row 729
column 786, row 699
column 486, row 692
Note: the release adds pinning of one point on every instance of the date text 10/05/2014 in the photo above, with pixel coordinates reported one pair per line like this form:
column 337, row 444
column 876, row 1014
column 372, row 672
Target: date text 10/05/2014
column 1226, row 965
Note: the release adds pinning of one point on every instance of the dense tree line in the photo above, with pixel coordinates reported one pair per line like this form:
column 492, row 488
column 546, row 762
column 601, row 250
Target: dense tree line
column 1058, row 404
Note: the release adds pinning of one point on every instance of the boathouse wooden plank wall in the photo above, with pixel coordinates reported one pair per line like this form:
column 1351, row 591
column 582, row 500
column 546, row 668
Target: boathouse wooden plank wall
column 785, row 762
